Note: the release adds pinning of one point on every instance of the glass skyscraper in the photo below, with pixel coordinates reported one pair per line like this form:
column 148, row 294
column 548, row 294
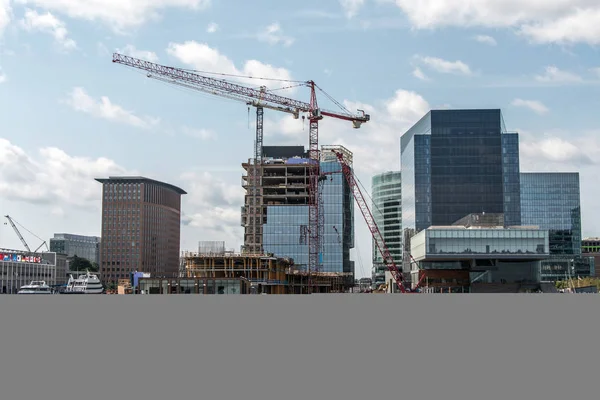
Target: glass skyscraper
column 285, row 230
column 458, row 162
column 455, row 163
column 386, row 191
column 551, row 200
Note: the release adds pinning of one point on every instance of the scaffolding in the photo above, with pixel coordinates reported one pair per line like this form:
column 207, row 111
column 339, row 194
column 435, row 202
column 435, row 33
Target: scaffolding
column 268, row 274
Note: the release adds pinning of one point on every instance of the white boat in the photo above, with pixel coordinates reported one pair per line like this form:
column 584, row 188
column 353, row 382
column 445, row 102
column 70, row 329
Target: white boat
column 84, row 284
column 35, row 287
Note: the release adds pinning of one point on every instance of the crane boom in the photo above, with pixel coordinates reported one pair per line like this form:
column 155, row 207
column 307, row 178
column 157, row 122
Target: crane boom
column 364, row 209
column 17, row 232
column 221, row 87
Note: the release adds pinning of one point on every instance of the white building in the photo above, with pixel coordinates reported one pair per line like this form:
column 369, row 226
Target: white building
column 19, row 268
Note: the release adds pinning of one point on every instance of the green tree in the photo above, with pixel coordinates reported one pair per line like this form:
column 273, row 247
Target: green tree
column 82, row 264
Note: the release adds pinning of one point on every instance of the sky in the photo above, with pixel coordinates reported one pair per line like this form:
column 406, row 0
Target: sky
column 69, row 115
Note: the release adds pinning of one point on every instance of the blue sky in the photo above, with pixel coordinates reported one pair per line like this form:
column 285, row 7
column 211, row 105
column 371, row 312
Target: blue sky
column 68, row 114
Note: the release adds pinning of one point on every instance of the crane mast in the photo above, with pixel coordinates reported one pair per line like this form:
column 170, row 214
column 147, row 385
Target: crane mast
column 263, row 98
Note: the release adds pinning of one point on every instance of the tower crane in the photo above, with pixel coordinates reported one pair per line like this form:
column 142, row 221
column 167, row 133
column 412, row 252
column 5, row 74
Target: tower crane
column 263, row 98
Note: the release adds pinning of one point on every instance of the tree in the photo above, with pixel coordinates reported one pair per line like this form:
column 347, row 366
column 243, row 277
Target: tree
column 82, row 264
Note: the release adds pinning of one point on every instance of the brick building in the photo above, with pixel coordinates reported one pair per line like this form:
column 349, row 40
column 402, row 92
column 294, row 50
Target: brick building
column 140, row 227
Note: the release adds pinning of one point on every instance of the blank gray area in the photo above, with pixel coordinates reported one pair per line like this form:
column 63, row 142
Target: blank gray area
column 346, row 346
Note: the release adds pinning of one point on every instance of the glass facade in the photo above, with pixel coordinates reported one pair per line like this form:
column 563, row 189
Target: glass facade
column 466, row 164
column 551, row 201
column 512, row 179
column 490, row 243
column 458, row 162
column 387, row 211
column 285, row 232
column 87, row 247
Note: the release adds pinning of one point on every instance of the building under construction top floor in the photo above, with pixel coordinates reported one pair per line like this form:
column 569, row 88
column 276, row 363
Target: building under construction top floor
column 265, row 273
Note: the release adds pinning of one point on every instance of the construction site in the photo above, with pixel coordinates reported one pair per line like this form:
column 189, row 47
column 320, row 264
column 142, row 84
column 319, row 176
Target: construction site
column 291, row 243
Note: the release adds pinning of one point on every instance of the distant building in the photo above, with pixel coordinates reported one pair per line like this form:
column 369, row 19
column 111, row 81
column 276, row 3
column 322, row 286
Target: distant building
column 62, row 269
column 87, row 247
column 551, row 200
column 386, row 194
column 19, row 268
column 590, row 247
column 275, row 211
column 454, row 163
column 140, row 227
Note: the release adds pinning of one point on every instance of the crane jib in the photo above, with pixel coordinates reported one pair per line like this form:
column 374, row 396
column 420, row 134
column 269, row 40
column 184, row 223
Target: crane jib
column 223, row 87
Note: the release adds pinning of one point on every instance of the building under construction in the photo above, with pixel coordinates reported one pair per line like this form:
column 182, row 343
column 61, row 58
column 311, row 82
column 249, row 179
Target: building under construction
column 275, row 215
column 264, row 273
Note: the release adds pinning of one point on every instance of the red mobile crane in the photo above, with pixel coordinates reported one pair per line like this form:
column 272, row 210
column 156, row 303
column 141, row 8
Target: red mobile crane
column 263, row 98
column 375, row 232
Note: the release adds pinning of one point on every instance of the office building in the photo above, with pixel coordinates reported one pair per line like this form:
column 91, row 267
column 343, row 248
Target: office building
column 478, row 254
column 551, row 200
column 590, row 247
column 386, row 194
column 140, row 227
column 275, row 220
column 19, row 268
column 458, row 162
column 455, row 163
column 87, row 247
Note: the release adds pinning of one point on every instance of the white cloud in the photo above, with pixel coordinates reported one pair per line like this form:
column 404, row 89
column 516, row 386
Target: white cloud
column 596, row 71
column 5, row 15
column 118, row 14
column 130, row 50
column 3, row 77
column 418, row 73
column 555, row 75
column 48, row 23
column 204, row 58
column 212, row 27
column 52, row 177
column 444, row 66
column 351, row 7
column 80, row 101
column 541, row 20
column 485, row 39
column 582, row 26
column 273, row 34
column 533, row 105
column 212, row 204
column 203, row 134
column 552, row 149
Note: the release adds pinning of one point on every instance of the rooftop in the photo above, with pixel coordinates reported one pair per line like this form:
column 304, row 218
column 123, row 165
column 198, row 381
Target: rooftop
column 140, row 179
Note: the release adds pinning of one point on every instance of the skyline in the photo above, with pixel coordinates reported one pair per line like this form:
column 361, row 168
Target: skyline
column 70, row 115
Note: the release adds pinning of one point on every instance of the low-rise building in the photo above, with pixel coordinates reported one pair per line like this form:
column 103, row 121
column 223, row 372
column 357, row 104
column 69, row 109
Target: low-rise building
column 590, row 247
column 471, row 257
column 19, row 268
